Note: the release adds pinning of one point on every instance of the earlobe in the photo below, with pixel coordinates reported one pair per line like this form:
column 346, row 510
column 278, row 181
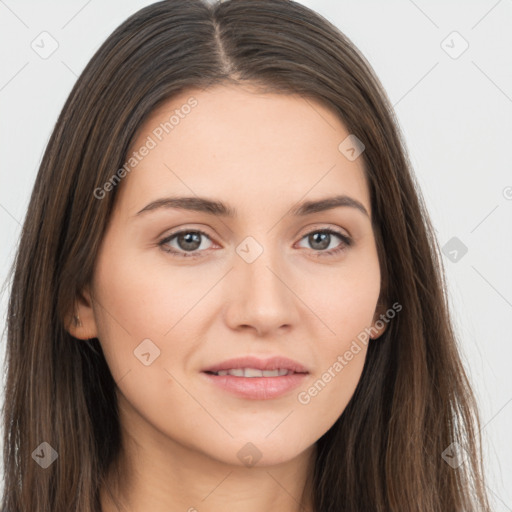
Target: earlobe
column 380, row 323
column 81, row 322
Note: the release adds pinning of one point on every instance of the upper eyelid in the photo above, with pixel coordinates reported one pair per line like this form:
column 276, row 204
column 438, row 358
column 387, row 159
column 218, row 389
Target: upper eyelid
column 324, row 227
column 317, row 226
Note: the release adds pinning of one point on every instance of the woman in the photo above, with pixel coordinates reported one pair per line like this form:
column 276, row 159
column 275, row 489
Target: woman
column 228, row 291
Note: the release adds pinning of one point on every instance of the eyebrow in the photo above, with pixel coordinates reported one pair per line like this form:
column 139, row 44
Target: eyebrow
column 204, row 205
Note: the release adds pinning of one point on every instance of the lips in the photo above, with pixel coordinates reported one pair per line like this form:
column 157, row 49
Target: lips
column 255, row 367
column 256, row 379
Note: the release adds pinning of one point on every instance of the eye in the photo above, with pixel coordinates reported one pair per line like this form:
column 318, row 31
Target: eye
column 188, row 242
column 321, row 239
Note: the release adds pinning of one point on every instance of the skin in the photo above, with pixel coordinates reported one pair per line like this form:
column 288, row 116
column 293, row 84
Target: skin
column 261, row 154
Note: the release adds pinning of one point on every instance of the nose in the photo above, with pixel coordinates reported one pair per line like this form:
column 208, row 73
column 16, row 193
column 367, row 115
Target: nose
column 261, row 296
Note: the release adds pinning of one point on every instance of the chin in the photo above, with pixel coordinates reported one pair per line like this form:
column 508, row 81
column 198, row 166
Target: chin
column 259, row 451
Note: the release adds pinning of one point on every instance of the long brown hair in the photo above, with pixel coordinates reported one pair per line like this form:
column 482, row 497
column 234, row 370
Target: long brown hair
column 413, row 400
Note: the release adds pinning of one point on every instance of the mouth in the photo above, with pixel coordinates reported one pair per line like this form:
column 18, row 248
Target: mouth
column 257, row 379
column 254, row 372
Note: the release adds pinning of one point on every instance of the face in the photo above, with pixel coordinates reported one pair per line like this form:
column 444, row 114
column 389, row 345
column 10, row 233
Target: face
column 181, row 287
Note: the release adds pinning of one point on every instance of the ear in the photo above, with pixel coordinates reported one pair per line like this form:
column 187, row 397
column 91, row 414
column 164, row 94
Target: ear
column 81, row 322
column 380, row 321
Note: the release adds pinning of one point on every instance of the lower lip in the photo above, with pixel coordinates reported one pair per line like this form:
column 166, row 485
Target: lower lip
column 257, row 388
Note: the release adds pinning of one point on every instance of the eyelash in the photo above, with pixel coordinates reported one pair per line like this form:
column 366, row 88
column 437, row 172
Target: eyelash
column 346, row 242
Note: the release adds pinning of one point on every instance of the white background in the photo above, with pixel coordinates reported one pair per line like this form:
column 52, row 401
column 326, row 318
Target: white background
column 455, row 114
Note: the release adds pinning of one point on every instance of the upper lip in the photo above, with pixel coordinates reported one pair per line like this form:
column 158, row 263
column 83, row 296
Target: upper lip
column 271, row 363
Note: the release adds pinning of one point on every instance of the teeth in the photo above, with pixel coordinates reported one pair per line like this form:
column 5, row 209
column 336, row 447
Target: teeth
column 253, row 372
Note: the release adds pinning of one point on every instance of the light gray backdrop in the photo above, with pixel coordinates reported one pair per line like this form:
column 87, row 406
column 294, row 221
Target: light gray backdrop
column 447, row 68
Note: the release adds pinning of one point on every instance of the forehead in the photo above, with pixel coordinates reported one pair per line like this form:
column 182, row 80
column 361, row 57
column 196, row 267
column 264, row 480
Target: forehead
column 237, row 142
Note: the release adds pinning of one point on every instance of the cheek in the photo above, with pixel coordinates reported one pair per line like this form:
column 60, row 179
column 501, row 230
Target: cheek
column 147, row 307
column 129, row 309
column 344, row 298
column 347, row 307
column 340, row 361
column 136, row 306
column 144, row 298
column 328, row 393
